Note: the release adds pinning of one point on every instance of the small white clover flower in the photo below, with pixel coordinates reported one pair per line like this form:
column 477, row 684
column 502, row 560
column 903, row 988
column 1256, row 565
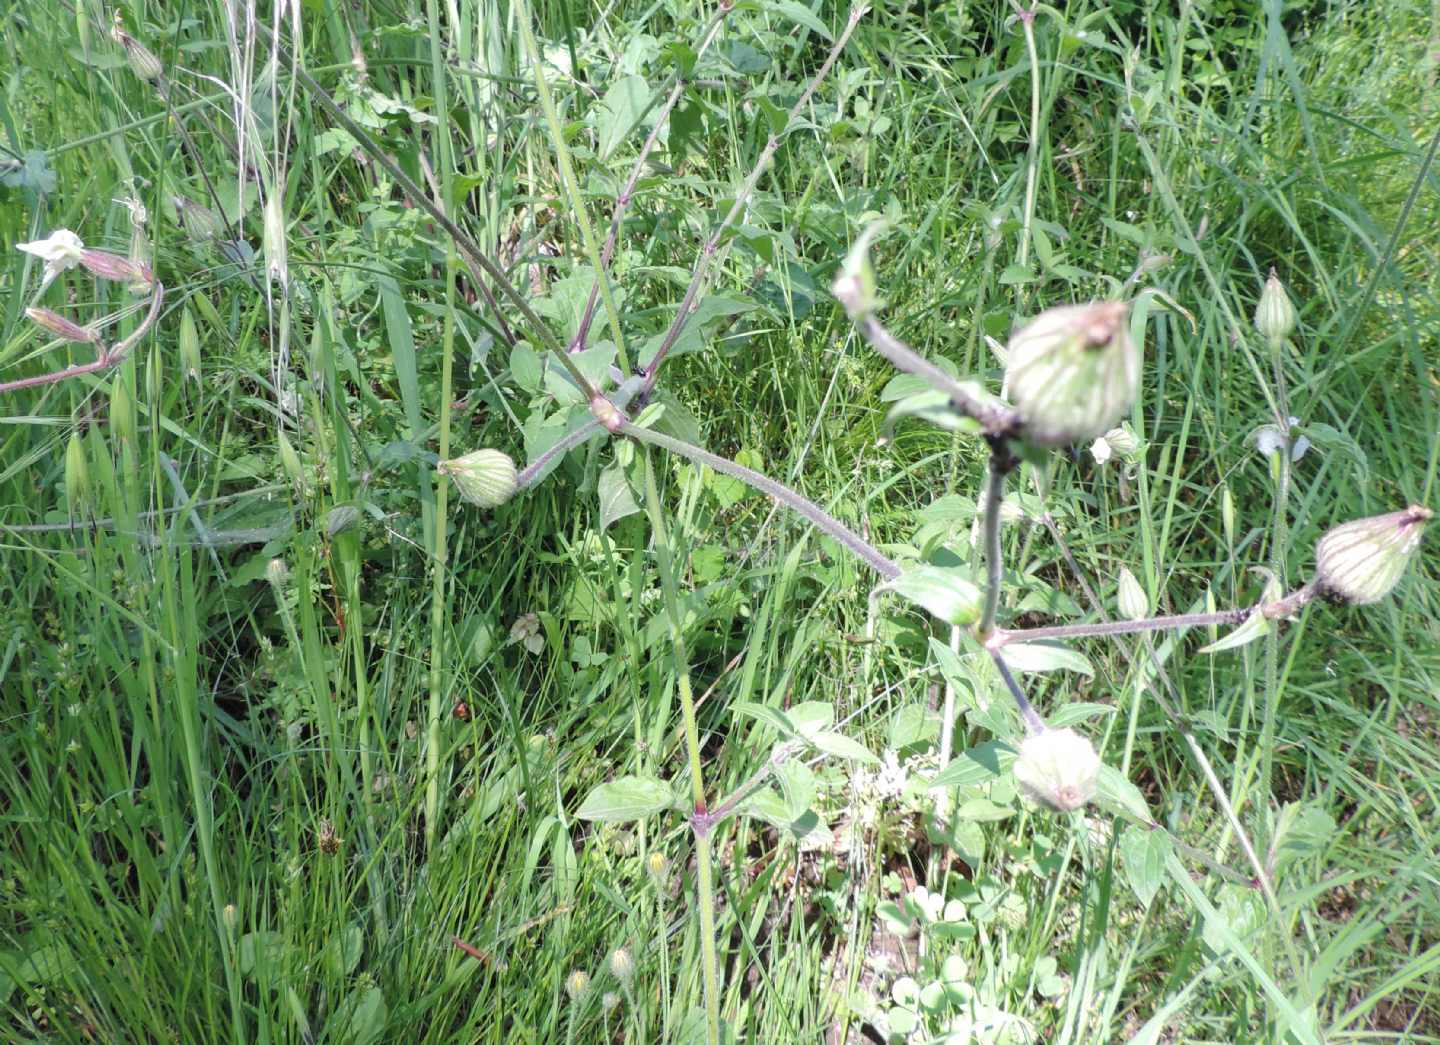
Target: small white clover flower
column 60, row 250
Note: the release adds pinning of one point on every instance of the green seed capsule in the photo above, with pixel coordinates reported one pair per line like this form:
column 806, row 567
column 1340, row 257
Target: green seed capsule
column 1073, row 372
column 1058, row 768
column 1360, row 562
column 484, row 477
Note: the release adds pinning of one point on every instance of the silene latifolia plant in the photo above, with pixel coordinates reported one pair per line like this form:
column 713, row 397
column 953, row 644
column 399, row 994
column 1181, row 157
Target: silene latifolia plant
column 1072, row 374
column 1071, row 377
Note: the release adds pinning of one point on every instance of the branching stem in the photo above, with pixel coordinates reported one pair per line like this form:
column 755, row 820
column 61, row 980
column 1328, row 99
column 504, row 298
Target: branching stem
column 848, row 538
column 742, row 197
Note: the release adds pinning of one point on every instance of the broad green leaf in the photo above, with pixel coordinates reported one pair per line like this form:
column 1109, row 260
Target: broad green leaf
column 1045, row 656
column 1118, row 792
column 798, row 12
column 525, row 368
column 841, row 746
column 360, row 1019
column 1142, row 858
column 628, row 798
column 931, row 406
column 812, row 716
column 616, row 498
column 942, row 590
column 594, row 363
column 772, row 717
column 976, row 765
column 620, row 112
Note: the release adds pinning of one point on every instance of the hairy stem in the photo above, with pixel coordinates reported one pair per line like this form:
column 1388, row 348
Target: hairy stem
column 622, row 201
column 1033, row 722
column 105, row 357
column 995, row 418
column 705, row 886
column 849, row 539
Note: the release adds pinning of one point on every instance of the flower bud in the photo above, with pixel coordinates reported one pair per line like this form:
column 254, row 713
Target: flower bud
column 1361, row 562
column 484, row 477
column 577, row 983
column 610, row 1001
column 1058, row 768
column 60, row 326
column 200, row 223
column 112, row 266
column 143, row 62
column 657, row 866
column 122, row 411
column 1134, row 603
column 1073, row 371
column 1274, row 315
column 622, row 964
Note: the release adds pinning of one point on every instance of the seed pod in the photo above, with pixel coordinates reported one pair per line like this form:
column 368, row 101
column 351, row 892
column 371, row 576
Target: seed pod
column 1058, row 768
column 1134, row 603
column 1274, row 315
column 1360, row 562
column 1073, row 372
column 189, row 344
column 484, row 477
column 200, row 223
column 60, row 326
column 122, row 270
column 77, row 475
column 143, row 62
column 277, row 573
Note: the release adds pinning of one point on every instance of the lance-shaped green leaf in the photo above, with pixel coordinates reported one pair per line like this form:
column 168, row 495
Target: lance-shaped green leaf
column 945, row 591
column 628, row 798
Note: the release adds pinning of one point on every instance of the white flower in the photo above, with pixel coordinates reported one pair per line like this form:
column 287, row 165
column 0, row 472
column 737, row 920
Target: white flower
column 1101, row 449
column 526, row 631
column 60, row 250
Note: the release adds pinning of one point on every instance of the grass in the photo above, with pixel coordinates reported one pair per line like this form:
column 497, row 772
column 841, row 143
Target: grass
column 268, row 747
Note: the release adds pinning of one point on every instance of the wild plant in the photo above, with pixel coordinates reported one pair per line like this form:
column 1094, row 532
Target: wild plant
column 1070, row 375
